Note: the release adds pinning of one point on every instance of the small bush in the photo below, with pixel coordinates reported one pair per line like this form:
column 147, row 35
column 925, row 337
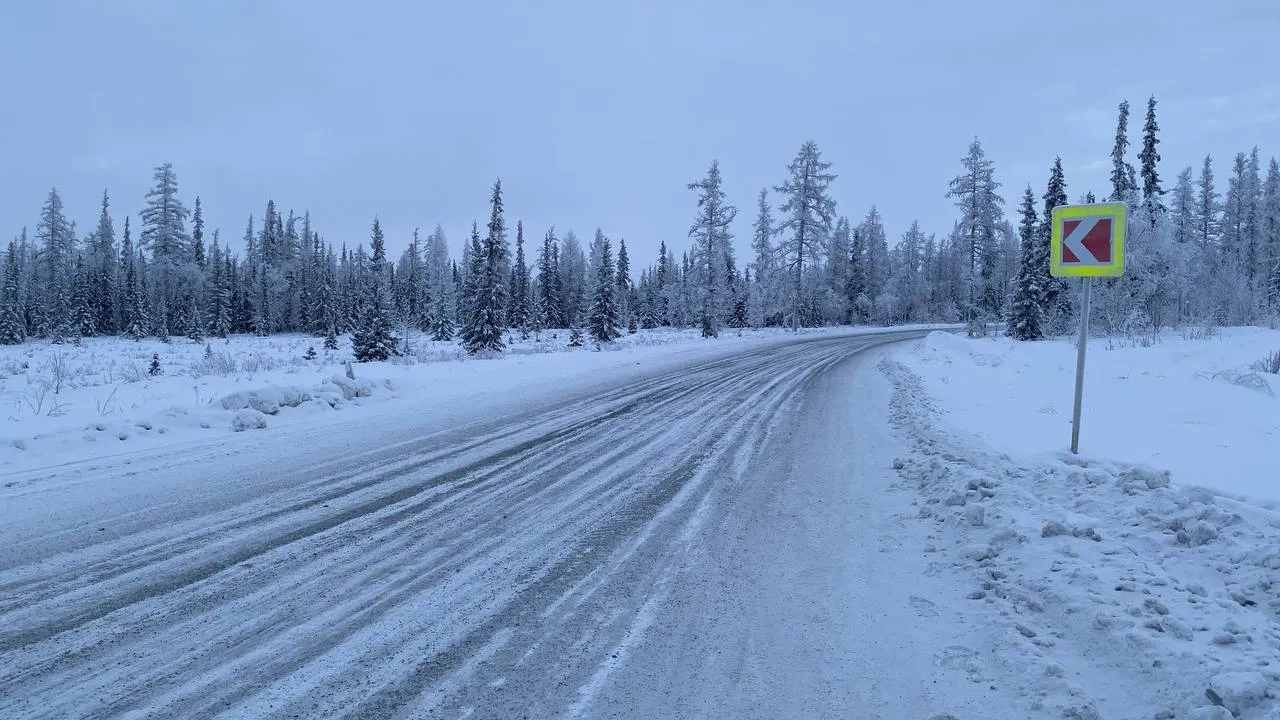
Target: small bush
column 1269, row 364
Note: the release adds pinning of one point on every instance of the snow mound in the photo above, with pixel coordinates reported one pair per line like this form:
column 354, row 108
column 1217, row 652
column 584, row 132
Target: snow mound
column 267, row 401
column 248, row 420
column 1139, row 596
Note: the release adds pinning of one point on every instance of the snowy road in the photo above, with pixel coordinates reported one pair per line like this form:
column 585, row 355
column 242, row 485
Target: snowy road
column 722, row 541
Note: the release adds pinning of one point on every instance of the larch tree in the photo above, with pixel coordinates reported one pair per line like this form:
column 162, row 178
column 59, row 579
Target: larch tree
column 808, row 214
column 979, row 235
column 164, row 233
column 764, row 297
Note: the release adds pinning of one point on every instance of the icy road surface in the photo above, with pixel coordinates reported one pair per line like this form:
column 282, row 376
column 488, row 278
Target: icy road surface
column 726, row 540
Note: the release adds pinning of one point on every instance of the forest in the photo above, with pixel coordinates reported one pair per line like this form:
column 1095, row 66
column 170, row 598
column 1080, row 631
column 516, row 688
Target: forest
column 1195, row 256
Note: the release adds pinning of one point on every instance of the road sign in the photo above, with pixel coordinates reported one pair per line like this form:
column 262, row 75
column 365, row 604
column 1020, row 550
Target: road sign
column 1088, row 240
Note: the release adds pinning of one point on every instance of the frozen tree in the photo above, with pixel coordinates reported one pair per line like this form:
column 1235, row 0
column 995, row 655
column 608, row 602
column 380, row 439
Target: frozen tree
column 1056, row 302
column 57, row 248
column 103, row 272
column 571, row 262
column 874, row 242
column 1149, row 159
column 1182, row 227
column 979, row 234
column 856, row 289
column 907, row 286
column 1123, row 177
column 220, row 285
column 373, row 339
column 711, row 249
column 764, row 298
column 487, row 291
column 626, row 309
column 520, row 289
column 603, row 320
column 549, row 292
column 1271, row 234
column 197, row 235
column 806, row 224
column 164, row 234
column 12, row 328
column 1027, row 310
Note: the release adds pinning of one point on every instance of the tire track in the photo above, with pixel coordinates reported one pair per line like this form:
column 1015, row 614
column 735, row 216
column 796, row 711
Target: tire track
column 376, row 587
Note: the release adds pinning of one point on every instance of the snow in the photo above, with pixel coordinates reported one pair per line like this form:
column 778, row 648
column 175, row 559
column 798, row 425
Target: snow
column 1190, row 404
column 1139, row 579
column 66, row 403
column 739, row 508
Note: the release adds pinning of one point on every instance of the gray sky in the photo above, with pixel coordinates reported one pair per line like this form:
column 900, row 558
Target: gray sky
column 600, row 113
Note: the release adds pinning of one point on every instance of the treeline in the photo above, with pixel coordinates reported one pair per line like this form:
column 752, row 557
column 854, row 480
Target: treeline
column 1194, row 255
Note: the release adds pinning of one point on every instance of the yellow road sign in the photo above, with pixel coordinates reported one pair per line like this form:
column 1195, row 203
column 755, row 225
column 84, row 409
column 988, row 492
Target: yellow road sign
column 1088, row 240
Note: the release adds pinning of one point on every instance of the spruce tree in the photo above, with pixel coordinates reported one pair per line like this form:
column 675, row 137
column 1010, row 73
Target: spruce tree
column 194, row 320
column 855, row 282
column 625, row 310
column 442, row 329
column 738, row 292
column 220, row 282
column 373, row 339
column 765, row 260
column 520, row 290
column 1056, row 302
column 604, row 308
column 1026, row 312
column 1149, row 158
column 12, row 327
column 83, row 317
column 487, row 285
column 103, row 291
column 1122, row 173
column 57, row 240
column 549, row 282
column 197, row 235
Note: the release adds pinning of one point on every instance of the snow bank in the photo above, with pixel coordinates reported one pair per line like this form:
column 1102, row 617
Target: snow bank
column 1199, row 406
column 1113, row 590
column 62, row 403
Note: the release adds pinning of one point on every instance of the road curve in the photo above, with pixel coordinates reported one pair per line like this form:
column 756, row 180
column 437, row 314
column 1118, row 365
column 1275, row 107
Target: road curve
column 501, row 572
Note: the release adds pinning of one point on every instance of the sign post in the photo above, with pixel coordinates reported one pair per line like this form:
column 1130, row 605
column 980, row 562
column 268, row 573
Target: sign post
column 1086, row 241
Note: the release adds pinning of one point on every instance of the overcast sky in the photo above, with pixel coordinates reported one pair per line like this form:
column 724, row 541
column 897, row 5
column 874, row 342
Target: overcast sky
column 600, row 113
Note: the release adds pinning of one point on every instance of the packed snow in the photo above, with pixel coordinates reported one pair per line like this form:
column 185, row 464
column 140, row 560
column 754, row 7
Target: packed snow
column 1140, row 578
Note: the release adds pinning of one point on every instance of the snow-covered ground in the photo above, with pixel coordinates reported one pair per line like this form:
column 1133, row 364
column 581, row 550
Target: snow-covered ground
column 1141, row 578
column 726, row 538
column 62, row 403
